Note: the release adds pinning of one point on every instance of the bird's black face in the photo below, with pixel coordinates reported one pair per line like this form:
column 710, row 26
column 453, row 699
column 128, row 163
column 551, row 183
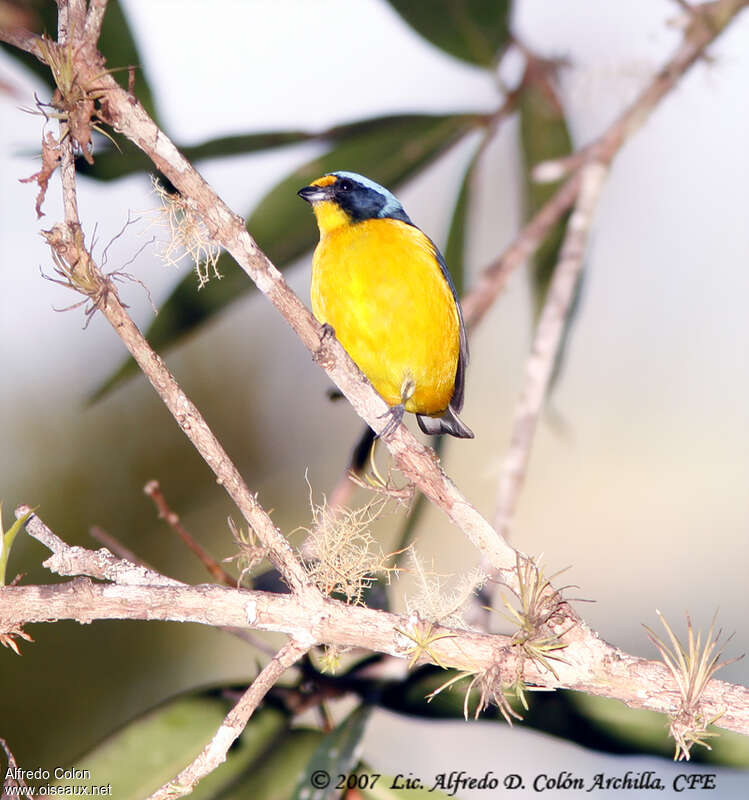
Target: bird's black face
column 358, row 197
column 358, row 201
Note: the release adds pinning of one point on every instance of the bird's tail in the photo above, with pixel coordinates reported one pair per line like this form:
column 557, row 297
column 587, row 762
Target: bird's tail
column 449, row 422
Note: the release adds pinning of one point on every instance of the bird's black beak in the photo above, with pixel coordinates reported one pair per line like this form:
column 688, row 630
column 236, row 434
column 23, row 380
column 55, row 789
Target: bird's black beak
column 313, row 194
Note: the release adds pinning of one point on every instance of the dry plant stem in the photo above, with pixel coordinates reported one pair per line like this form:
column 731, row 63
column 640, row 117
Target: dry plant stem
column 540, row 363
column 153, row 490
column 94, row 20
column 100, row 564
column 214, row 754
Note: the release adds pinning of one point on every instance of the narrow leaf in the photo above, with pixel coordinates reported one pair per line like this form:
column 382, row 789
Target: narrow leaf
column 476, row 31
column 152, row 749
column 275, row 776
column 544, row 136
column 337, row 754
column 111, row 164
column 6, row 540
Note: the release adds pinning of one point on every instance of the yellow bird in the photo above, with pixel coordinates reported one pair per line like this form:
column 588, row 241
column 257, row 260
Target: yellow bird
column 383, row 287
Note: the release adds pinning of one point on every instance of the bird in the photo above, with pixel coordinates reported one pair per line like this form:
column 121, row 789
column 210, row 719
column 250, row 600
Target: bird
column 383, row 287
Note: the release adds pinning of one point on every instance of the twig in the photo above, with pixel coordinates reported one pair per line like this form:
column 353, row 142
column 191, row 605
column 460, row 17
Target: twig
column 153, row 490
column 94, row 20
column 493, row 278
column 113, row 544
column 101, row 564
column 590, row 664
column 214, row 754
column 540, row 363
column 125, row 570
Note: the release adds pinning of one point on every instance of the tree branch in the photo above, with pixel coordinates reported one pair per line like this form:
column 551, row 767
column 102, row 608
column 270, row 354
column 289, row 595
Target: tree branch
column 94, row 20
column 220, row 575
column 711, row 21
column 214, row 753
column 549, row 334
column 595, row 668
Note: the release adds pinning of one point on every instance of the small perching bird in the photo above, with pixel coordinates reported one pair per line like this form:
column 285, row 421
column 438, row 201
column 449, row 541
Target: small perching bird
column 382, row 285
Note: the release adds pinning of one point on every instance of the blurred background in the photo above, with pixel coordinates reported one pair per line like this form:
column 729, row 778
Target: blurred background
column 639, row 475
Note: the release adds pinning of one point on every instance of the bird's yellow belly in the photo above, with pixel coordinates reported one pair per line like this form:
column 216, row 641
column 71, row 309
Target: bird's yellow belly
column 378, row 284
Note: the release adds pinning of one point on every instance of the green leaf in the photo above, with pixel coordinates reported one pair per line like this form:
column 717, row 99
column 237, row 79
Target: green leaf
column 387, row 149
column 151, row 750
column 276, row 775
column 7, row 538
column 116, row 44
column 476, row 31
column 110, row 164
column 383, row 789
column 337, row 754
column 456, row 238
column 543, row 135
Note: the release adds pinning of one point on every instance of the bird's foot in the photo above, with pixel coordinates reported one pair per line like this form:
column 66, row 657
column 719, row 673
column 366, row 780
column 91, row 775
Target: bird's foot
column 395, row 414
column 328, row 332
column 322, row 355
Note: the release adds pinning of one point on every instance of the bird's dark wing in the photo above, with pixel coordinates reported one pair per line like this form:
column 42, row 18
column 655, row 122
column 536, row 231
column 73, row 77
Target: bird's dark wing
column 456, row 403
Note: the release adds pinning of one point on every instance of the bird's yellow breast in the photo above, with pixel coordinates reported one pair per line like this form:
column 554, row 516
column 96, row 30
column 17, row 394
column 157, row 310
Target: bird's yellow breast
column 379, row 285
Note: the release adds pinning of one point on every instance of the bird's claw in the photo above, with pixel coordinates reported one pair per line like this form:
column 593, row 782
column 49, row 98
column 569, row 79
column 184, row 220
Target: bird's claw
column 328, row 332
column 396, row 417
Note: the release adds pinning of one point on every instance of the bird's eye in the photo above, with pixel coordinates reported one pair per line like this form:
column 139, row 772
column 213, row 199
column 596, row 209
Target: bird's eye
column 345, row 185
